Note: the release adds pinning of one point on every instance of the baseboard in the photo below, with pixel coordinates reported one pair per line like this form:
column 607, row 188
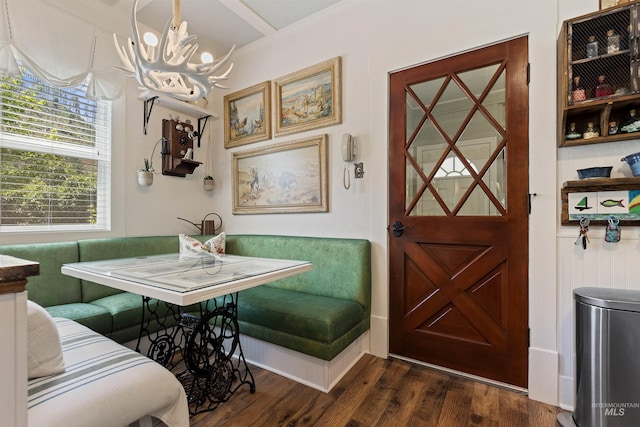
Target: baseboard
column 319, row 374
column 543, row 375
column 567, row 393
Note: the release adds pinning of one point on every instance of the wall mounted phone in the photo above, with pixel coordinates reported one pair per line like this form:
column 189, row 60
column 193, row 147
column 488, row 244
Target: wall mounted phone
column 177, row 155
column 347, row 155
column 348, row 147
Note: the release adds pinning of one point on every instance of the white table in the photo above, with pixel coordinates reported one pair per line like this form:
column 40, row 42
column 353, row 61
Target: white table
column 209, row 342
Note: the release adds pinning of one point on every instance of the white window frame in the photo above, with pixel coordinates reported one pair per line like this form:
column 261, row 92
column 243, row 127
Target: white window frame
column 101, row 152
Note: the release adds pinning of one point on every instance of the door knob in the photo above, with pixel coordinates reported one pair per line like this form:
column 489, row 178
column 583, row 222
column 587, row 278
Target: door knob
column 397, row 228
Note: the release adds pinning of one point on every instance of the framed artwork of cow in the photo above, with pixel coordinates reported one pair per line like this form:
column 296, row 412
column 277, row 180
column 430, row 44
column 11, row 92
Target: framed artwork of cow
column 247, row 115
column 289, row 177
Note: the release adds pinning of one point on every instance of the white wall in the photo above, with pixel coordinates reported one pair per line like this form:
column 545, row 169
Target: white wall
column 374, row 38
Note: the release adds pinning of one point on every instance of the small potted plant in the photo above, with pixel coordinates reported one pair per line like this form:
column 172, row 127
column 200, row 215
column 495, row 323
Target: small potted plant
column 145, row 175
column 209, row 183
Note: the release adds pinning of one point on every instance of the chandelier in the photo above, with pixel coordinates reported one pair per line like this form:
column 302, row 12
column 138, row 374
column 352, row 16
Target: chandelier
column 169, row 69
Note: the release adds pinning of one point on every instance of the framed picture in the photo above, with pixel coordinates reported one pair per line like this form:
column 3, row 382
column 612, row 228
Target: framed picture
column 309, row 98
column 247, row 115
column 605, row 4
column 289, row 177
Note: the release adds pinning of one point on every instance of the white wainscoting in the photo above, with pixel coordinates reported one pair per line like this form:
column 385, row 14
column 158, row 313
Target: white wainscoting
column 320, row 374
column 604, row 265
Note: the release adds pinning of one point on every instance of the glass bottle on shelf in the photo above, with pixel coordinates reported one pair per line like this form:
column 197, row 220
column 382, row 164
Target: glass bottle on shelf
column 632, row 124
column 613, row 42
column 572, row 133
column 591, row 131
column 577, row 90
column 592, row 47
column 603, row 88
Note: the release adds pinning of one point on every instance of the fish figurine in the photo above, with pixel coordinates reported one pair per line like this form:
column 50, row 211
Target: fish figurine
column 610, row 203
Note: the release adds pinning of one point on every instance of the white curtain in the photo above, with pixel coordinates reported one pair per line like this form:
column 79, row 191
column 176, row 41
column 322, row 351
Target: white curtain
column 58, row 47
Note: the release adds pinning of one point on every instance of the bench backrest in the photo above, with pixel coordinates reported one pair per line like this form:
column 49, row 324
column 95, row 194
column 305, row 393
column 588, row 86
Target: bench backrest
column 120, row 247
column 51, row 287
column 341, row 267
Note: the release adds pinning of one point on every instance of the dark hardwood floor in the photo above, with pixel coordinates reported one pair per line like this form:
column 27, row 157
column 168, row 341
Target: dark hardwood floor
column 379, row 392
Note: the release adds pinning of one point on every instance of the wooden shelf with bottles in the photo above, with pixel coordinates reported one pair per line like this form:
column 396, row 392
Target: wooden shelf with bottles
column 601, row 45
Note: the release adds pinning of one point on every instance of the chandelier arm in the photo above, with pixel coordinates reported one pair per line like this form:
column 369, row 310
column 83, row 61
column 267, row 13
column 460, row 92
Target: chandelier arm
column 168, row 69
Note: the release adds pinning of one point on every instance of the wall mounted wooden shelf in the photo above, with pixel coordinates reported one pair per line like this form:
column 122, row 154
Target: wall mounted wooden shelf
column 629, row 188
column 616, row 34
column 150, row 98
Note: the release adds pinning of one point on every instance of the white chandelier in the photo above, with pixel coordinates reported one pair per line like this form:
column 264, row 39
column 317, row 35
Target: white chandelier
column 168, row 69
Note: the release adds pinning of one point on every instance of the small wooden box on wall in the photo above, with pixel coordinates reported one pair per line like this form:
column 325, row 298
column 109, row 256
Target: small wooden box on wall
column 178, row 137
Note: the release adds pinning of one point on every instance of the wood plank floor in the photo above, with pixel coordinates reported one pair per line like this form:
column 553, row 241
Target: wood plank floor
column 379, row 392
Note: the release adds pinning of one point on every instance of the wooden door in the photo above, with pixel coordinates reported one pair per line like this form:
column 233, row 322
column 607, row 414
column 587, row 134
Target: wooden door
column 458, row 210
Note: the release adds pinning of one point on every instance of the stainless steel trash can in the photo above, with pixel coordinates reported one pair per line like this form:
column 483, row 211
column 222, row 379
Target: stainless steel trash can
column 607, row 357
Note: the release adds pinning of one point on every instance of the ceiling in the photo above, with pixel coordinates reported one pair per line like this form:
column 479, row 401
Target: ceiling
column 220, row 24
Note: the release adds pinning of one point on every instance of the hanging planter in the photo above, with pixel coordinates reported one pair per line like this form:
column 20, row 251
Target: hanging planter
column 209, row 183
column 145, row 176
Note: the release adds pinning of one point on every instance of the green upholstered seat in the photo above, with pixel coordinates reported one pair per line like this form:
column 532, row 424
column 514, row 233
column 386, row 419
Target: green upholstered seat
column 318, row 313
column 299, row 321
column 92, row 316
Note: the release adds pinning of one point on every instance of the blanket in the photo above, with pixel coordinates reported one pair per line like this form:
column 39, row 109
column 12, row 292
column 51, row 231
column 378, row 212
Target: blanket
column 104, row 384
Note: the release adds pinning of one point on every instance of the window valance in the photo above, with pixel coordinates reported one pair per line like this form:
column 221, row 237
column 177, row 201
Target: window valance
column 58, row 47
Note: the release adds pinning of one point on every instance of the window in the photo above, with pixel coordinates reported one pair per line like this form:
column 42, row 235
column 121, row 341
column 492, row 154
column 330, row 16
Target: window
column 55, row 150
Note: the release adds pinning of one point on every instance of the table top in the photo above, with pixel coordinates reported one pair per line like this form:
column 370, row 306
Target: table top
column 185, row 280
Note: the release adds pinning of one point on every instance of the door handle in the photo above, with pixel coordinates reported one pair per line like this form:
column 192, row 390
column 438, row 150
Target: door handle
column 397, row 228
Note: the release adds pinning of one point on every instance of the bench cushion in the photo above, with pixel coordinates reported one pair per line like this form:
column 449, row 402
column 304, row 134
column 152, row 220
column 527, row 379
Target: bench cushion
column 90, row 315
column 309, row 316
column 126, row 313
column 104, row 384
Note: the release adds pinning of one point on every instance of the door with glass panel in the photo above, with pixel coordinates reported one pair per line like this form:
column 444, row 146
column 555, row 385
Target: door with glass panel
column 458, row 211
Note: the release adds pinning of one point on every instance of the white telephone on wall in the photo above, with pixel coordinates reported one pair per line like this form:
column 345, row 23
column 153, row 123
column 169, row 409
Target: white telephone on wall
column 348, row 147
column 348, row 153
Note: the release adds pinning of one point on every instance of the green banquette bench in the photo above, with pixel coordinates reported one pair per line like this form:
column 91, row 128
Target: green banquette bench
column 318, row 313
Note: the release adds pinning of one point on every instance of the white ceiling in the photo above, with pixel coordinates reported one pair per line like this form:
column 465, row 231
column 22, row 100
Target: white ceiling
column 220, row 24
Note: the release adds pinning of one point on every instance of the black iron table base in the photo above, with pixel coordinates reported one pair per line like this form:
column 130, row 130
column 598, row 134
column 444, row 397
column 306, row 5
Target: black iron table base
column 208, row 342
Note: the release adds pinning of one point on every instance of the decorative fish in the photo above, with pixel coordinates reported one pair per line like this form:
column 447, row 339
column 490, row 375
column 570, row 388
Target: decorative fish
column 610, row 203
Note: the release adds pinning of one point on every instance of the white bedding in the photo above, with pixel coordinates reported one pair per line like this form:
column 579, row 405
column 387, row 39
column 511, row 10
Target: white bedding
column 104, row 384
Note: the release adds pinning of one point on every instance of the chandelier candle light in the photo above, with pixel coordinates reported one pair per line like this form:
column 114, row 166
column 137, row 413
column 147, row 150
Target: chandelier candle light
column 168, row 69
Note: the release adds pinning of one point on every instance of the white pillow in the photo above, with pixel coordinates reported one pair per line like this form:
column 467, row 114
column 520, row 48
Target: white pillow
column 190, row 246
column 44, row 350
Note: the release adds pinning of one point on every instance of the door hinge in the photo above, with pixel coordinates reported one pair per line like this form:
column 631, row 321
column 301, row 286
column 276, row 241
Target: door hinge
column 528, row 337
column 528, row 72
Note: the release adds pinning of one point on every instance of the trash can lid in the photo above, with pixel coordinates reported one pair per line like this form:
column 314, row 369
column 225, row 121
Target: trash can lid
column 620, row 299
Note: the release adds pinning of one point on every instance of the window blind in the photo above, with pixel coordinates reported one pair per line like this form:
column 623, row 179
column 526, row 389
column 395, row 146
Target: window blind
column 54, row 157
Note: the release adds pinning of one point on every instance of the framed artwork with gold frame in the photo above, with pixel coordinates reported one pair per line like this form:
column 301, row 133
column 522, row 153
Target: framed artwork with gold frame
column 289, row 177
column 310, row 98
column 247, row 115
column 605, row 4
